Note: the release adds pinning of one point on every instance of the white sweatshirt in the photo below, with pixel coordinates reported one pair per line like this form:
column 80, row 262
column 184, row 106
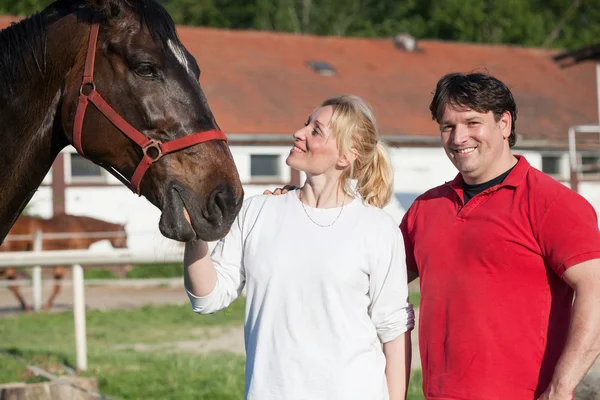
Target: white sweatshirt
column 320, row 301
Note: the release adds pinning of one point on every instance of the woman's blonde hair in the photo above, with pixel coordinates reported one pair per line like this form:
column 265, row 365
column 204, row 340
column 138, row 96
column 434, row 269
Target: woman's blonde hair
column 355, row 130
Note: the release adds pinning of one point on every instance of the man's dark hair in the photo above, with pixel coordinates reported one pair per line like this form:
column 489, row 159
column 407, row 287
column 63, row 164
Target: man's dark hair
column 476, row 91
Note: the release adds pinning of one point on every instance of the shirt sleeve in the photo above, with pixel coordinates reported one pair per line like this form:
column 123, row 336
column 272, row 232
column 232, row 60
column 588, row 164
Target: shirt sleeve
column 388, row 289
column 568, row 232
column 411, row 264
column 227, row 257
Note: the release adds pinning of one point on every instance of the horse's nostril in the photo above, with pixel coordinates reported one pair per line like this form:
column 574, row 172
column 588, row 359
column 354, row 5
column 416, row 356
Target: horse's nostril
column 221, row 202
column 218, row 205
column 214, row 208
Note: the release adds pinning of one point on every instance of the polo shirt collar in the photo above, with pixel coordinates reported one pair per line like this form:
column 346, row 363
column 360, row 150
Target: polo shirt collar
column 514, row 178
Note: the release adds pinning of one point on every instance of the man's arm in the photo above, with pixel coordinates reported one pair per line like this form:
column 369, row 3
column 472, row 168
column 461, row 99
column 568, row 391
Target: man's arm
column 412, row 272
column 398, row 356
column 279, row 191
column 583, row 340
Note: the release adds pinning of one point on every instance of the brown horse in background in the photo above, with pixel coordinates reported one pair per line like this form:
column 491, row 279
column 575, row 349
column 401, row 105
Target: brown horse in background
column 82, row 232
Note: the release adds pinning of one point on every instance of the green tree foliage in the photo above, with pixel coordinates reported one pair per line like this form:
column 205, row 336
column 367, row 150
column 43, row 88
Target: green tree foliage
column 22, row 7
column 541, row 23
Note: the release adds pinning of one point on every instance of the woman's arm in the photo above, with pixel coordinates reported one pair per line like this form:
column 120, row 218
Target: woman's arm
column 199, row 273
column 390, row 311
column 398, row 356
column 212, row 282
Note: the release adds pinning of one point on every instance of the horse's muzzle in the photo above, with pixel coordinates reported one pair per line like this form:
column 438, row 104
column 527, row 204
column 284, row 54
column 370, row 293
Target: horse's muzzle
column 173, row 223
column 218, row 213
column 184, row 218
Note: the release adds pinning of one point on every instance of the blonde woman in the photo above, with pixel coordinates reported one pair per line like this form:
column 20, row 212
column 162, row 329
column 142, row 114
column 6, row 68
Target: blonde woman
column 324, row 269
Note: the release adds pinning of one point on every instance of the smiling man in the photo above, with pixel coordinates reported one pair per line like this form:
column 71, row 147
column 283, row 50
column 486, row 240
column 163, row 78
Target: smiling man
column 500, row 252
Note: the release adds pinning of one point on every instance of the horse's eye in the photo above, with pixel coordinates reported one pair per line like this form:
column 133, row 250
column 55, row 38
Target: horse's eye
column 145, row 70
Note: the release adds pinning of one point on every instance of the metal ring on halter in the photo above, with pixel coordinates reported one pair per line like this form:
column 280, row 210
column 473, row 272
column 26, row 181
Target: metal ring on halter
column 91, row 84
column 154, row 144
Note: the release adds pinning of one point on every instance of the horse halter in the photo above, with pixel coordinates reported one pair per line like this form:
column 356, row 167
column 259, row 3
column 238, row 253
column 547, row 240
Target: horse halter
column 153, row 149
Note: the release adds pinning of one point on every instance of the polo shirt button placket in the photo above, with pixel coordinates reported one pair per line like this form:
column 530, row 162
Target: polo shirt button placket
column 478, row 199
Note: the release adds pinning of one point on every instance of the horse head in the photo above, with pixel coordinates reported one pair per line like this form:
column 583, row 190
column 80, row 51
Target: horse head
column 149, row 122
column 119, row 238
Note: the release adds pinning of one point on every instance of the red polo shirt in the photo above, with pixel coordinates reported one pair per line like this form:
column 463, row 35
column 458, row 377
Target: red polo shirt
column 494, row 309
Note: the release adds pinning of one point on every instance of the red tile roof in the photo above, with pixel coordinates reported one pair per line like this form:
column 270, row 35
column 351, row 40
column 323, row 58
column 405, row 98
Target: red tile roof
column 259, row 82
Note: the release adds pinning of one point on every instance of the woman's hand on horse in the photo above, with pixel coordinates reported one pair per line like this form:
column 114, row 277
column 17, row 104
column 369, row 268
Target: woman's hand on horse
column 283, row 190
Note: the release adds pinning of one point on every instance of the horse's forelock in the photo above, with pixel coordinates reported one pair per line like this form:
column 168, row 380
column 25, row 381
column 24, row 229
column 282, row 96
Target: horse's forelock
column 148, row 13
column 157, row 19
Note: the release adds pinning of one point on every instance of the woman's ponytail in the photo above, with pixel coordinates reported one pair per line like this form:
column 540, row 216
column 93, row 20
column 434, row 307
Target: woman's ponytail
column 375, row 180
column 370, row 172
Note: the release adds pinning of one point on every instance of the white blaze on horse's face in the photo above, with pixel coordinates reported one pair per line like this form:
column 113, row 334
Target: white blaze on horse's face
column 179, row 55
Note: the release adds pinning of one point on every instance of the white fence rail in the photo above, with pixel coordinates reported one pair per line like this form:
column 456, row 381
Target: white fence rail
column 23, row 259
column 77, row 258
column 66, row 235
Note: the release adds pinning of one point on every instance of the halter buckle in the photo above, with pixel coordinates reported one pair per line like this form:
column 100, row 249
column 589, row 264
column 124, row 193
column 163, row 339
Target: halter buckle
column 151, row 148
column 90, row 85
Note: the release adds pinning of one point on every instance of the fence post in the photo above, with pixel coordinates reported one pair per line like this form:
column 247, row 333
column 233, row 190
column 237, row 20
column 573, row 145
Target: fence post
column 36, row 276
column 79, row 317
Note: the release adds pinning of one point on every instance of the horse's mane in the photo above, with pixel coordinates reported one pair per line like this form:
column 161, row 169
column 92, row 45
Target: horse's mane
column 23, row 44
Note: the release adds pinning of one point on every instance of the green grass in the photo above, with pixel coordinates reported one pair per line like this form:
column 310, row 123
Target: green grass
column 167, row 270
column 47, row 340
column 414, row 298
column 415, row 387
column 146, row 375
column 12, row 370
column 99, row 273
column 139, row 271
column 134, row 375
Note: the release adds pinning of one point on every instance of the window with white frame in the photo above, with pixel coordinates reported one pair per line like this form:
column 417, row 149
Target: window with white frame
column 264, row 167
column 590, row 164
column 551, row 164
column 84, row 169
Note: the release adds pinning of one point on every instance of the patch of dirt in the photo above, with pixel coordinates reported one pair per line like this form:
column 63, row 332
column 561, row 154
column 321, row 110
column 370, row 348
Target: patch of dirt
column 230, row 339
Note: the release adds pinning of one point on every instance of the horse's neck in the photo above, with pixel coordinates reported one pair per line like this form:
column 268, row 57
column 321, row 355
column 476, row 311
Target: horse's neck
column 96, row 225
column 92, row 225
column 30, row 122
column 28, row 153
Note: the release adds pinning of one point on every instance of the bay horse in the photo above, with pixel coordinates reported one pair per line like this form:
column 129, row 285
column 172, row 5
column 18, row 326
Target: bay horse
column 82, row 233
column 149, row 122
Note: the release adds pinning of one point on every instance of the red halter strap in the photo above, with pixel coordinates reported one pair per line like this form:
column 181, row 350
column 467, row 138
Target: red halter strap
column 153, row 150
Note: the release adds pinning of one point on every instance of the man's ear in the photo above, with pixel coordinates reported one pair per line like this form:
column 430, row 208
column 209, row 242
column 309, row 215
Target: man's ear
column 505, row 124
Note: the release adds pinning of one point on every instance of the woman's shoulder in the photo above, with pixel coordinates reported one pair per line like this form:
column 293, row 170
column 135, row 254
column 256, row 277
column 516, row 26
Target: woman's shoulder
column 379, row 229
column 254, row 205
column 376, row 216
column 259, row 199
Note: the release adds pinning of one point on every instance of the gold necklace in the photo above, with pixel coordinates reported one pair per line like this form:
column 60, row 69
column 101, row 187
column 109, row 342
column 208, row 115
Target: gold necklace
column 315, row 222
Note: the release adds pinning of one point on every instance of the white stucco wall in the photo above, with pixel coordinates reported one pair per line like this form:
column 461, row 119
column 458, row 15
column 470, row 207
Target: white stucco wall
column 416, row 170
